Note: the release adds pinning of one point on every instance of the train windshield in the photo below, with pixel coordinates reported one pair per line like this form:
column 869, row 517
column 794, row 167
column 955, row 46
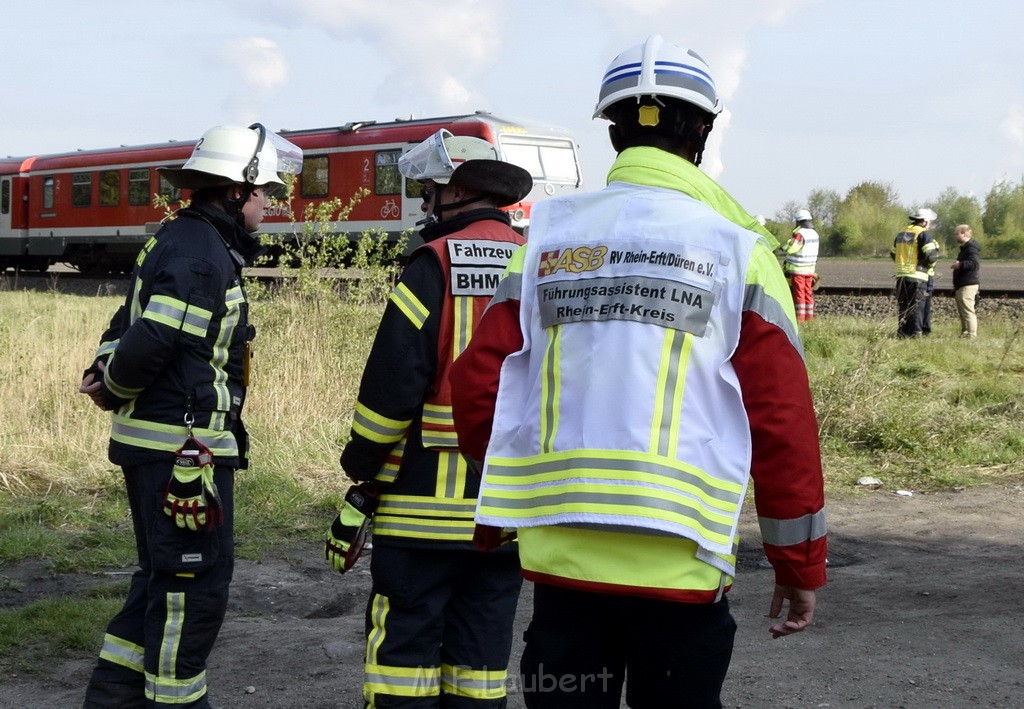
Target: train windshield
column 547, row 159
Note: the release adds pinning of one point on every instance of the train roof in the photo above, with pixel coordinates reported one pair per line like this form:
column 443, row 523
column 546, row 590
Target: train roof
column 370, row 131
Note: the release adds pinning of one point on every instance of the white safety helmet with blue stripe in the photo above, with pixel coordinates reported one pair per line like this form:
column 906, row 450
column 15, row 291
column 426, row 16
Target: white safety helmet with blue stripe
column 659, row 68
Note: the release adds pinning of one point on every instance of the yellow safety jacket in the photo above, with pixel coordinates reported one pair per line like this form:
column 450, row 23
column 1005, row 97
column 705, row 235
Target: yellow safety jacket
column 913, row 252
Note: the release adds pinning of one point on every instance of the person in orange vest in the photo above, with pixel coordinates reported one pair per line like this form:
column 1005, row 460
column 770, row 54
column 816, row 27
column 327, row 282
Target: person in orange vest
column 439, row 619
column 638, row 367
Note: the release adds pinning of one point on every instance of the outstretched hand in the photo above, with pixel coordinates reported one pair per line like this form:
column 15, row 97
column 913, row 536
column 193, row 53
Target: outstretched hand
column 800, row 614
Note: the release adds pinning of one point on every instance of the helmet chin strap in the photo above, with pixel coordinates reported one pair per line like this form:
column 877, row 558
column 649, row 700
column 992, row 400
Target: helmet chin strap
column 234, row 206
column 435, row 216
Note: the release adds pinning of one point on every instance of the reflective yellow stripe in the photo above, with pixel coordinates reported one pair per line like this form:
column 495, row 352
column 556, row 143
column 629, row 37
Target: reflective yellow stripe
column 613, row 487
column 233, row 299
column 475, row 684
column 402, row 681
column 451, row 475
column 420, row 517
column 668, row 407
column 550, row 389
column 173, row 624
column 438, row 430
column 463, row 330
column 168, row 437
column 122, row 652
column 165, row 690
column 392, row 462
column 376, row 427
column 409, row 304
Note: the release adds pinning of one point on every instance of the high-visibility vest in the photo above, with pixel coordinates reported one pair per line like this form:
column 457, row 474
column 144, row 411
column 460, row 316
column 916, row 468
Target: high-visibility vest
column 908, row 251
column 802, row 252
column 435, row 499
column 647, row 458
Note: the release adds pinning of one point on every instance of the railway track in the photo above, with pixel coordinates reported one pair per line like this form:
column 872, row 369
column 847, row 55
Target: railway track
column 839, row 278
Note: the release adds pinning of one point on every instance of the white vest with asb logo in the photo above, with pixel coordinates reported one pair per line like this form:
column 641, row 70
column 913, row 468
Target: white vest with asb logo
column 623, row 409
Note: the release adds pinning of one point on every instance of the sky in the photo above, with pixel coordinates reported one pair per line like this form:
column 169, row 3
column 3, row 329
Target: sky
column 922, row 95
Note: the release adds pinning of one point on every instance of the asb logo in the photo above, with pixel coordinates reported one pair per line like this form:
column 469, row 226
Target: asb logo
column 577, row 260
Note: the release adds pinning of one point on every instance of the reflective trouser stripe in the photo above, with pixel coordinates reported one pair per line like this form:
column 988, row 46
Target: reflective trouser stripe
column 124, row 653
column 173, row 625
column 475, row 684
column 402, row 681
column 164, row 690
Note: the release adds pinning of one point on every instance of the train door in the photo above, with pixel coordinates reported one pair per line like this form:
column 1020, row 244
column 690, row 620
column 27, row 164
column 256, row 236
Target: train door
column 6, row 199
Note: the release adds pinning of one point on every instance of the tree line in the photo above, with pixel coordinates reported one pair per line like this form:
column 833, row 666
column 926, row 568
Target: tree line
column 864, row 221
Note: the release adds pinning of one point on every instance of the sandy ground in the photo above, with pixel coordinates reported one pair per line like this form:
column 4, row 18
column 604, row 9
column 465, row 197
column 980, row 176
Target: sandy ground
column 924, row 609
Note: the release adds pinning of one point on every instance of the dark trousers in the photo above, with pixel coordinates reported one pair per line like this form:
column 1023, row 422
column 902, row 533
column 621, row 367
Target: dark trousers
column 439, row 627
column 155, row 649
column 581, row 647
column 910, row 298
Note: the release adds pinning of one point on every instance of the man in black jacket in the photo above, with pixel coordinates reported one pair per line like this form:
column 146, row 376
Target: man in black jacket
column 966, row 280
column 172, row 368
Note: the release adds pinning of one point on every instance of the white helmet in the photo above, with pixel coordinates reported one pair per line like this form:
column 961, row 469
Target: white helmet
column 227, row 155
column 802, row 215
column 466, row 161
column 659, row 68
column 924, row 214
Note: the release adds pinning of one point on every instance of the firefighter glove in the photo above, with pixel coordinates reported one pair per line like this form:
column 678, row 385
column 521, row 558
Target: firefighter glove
column 347, row 536
column 191, row 498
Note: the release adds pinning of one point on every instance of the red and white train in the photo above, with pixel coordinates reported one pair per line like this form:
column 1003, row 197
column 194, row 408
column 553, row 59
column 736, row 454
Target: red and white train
column 93, row 209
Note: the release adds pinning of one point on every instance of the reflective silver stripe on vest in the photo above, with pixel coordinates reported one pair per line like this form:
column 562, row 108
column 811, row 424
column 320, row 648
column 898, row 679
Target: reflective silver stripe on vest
column 757, row 301
column 674, row 360
column 786, row 532
column 509, row 288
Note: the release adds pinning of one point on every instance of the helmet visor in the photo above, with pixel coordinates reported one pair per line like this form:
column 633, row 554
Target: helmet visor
column 429, row 160
column 289, row 155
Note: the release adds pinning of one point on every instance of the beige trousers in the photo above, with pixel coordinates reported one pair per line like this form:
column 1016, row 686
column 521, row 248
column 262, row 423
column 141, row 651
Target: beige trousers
column 965, row 297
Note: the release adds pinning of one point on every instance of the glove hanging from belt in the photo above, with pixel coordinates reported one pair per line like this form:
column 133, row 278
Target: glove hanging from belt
column 191, row 498
column 347, row 536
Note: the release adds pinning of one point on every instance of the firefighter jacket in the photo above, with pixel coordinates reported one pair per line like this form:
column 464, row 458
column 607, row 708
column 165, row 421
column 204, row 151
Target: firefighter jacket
column 914, row 252
column 179, row 344
column 402, row 431
column 802, row 252
column 638, row 365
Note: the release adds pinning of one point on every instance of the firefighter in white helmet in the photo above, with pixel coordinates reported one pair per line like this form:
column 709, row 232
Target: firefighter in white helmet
column 800, row 266
column 639, row 365
column 172, row 368
column 914, row 253
column 439, row 620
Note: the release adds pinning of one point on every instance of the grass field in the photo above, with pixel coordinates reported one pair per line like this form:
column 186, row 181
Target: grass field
column 930, row 414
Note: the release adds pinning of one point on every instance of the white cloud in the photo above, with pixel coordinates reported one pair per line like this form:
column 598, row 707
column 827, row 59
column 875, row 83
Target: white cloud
column 259, row 62
column 417, row 48
column 1012, row 126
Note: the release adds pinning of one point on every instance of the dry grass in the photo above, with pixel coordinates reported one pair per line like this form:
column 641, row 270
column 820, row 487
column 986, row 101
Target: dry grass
column 309, row 354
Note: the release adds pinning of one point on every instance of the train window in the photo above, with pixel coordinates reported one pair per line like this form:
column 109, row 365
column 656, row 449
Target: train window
column 545, row 158
column 172, row 193
column 314, row 176
column 138, row 187
column 48, row 193
column 81, row 189
column 110, row 188
column 5, row 197
column 388, row 180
